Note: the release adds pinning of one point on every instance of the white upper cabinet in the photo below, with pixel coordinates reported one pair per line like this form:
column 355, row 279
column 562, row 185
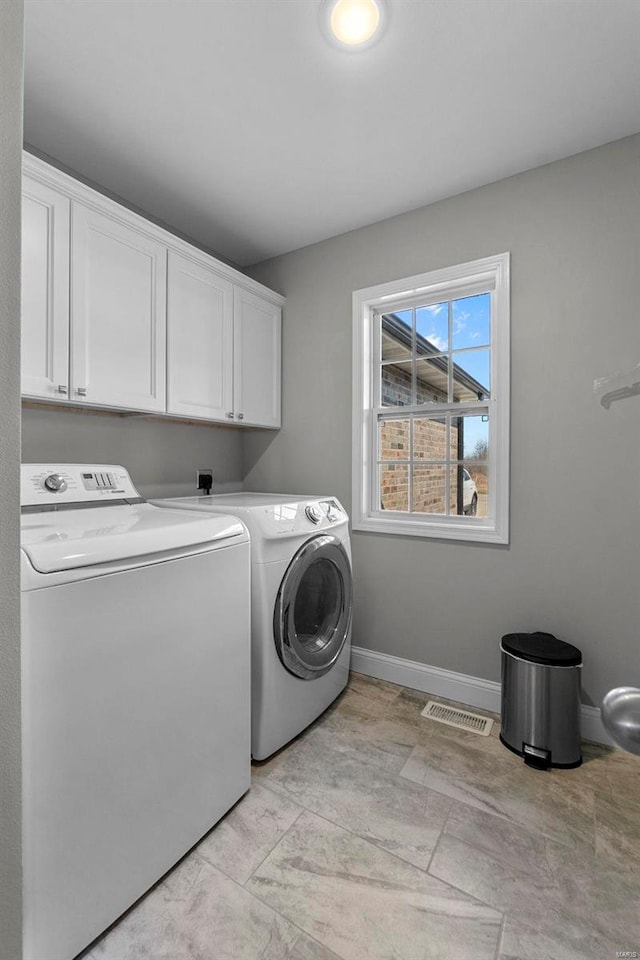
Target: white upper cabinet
column 45, row 292
column 199, row 341
column 118, row 313
column 223, row 348
column 257, row 350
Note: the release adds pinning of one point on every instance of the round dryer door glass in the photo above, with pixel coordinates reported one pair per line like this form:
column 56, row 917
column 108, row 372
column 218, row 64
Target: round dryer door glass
column 312, row 616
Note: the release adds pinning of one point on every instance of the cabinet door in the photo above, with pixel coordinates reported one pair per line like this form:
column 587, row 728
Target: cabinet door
column 45, row 292
column 257, row 332
column 118, row 313
column 200, row 341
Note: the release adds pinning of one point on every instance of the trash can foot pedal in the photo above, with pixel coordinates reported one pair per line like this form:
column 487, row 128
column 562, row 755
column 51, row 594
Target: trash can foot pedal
column 535, row 757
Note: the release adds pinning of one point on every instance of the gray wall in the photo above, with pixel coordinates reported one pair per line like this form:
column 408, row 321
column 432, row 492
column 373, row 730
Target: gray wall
column 10, row 783
column 161, row 456
column 572, row 568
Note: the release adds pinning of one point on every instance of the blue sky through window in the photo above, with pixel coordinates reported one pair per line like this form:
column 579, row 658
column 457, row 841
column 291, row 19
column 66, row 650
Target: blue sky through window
column 468, row 348
column 432, row 323
column 477, row 364
column 471, row 321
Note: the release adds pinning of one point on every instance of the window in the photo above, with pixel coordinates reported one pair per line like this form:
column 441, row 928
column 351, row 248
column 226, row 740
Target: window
column 431, row 404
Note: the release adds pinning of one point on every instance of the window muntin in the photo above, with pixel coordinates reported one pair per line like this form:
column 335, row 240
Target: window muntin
column 425, row 461
column 431, row 450
column 445, row 351
column 417, row 365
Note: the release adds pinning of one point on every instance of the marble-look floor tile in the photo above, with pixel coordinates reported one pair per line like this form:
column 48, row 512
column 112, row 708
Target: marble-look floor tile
column 305, row 948
column 611, row 771
column 495, row 860
column 601, row 751
column 615, row 777
column 242, row 839
column 370, row 739
column 537, row 942
column 359, row 702
column 364, row 903
column 609, row 904
column 392, row 812
column 556, row 852
column 601, row 901
column 558, row 901
column 461, row 761
column 198, row 913
column 618, row 830
column 594, row 914
column 551, row 802
column 558, row 804
column 374, row 688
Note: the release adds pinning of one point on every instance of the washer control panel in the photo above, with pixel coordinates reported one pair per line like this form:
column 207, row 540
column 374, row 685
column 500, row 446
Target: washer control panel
column 99, row 480
column 47, row 484
column 55, row 483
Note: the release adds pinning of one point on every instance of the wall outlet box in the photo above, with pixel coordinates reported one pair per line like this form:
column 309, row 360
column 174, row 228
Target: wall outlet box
column 204, row 479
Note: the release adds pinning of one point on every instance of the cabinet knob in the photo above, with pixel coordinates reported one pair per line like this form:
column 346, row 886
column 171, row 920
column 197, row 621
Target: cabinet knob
column 241, row 416
column 81, row 391
column 61, row 388
column 230, row 416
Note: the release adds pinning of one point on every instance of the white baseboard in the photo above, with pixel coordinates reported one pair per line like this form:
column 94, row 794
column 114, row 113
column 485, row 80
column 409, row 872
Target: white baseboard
column 472, row 691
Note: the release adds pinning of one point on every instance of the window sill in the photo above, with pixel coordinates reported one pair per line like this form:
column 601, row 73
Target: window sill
column 474, row 531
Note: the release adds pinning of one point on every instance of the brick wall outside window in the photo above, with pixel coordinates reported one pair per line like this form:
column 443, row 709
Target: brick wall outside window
column 429, row 443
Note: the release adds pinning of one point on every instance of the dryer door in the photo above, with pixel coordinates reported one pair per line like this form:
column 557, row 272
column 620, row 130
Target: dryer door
column 312, row 615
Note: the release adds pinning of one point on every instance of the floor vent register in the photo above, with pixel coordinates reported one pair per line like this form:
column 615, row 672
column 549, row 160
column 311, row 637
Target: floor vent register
column 458, row 718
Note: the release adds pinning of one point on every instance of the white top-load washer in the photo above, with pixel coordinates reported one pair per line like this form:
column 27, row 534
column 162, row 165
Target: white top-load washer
column 301, row 606
column 136, row 694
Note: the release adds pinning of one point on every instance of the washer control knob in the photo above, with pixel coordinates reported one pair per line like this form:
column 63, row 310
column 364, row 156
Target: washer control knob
column 313, row 514
column 55, row 483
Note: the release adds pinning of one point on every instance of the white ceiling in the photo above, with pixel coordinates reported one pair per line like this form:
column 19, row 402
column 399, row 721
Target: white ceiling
column 235, row 121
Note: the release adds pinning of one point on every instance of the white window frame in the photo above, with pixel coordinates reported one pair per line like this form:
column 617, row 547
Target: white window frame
column 490, row 274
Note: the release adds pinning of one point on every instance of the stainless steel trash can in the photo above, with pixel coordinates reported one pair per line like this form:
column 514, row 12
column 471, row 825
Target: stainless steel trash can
column 541, row 699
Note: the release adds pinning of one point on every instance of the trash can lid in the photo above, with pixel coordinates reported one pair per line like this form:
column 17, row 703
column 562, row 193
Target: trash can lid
column 542, row 648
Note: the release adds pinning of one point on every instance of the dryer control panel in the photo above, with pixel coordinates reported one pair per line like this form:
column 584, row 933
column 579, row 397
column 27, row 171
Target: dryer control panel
column 48, row 484
column 333, row 511
column 299, row 517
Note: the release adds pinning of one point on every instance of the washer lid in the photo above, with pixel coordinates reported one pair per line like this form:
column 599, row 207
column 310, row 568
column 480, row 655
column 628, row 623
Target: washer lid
column 66, row 540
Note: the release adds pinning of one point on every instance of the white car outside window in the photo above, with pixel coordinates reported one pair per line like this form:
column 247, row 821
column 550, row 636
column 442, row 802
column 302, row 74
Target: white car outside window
column 470, row 494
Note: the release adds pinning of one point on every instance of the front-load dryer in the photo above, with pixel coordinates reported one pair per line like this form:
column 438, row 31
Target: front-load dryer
column 301, row 606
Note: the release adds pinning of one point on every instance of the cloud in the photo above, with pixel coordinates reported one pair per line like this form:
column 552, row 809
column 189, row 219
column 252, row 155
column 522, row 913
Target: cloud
column 459, row 322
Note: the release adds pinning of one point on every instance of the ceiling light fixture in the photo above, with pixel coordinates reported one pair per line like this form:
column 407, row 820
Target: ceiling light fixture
column 353, row 24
